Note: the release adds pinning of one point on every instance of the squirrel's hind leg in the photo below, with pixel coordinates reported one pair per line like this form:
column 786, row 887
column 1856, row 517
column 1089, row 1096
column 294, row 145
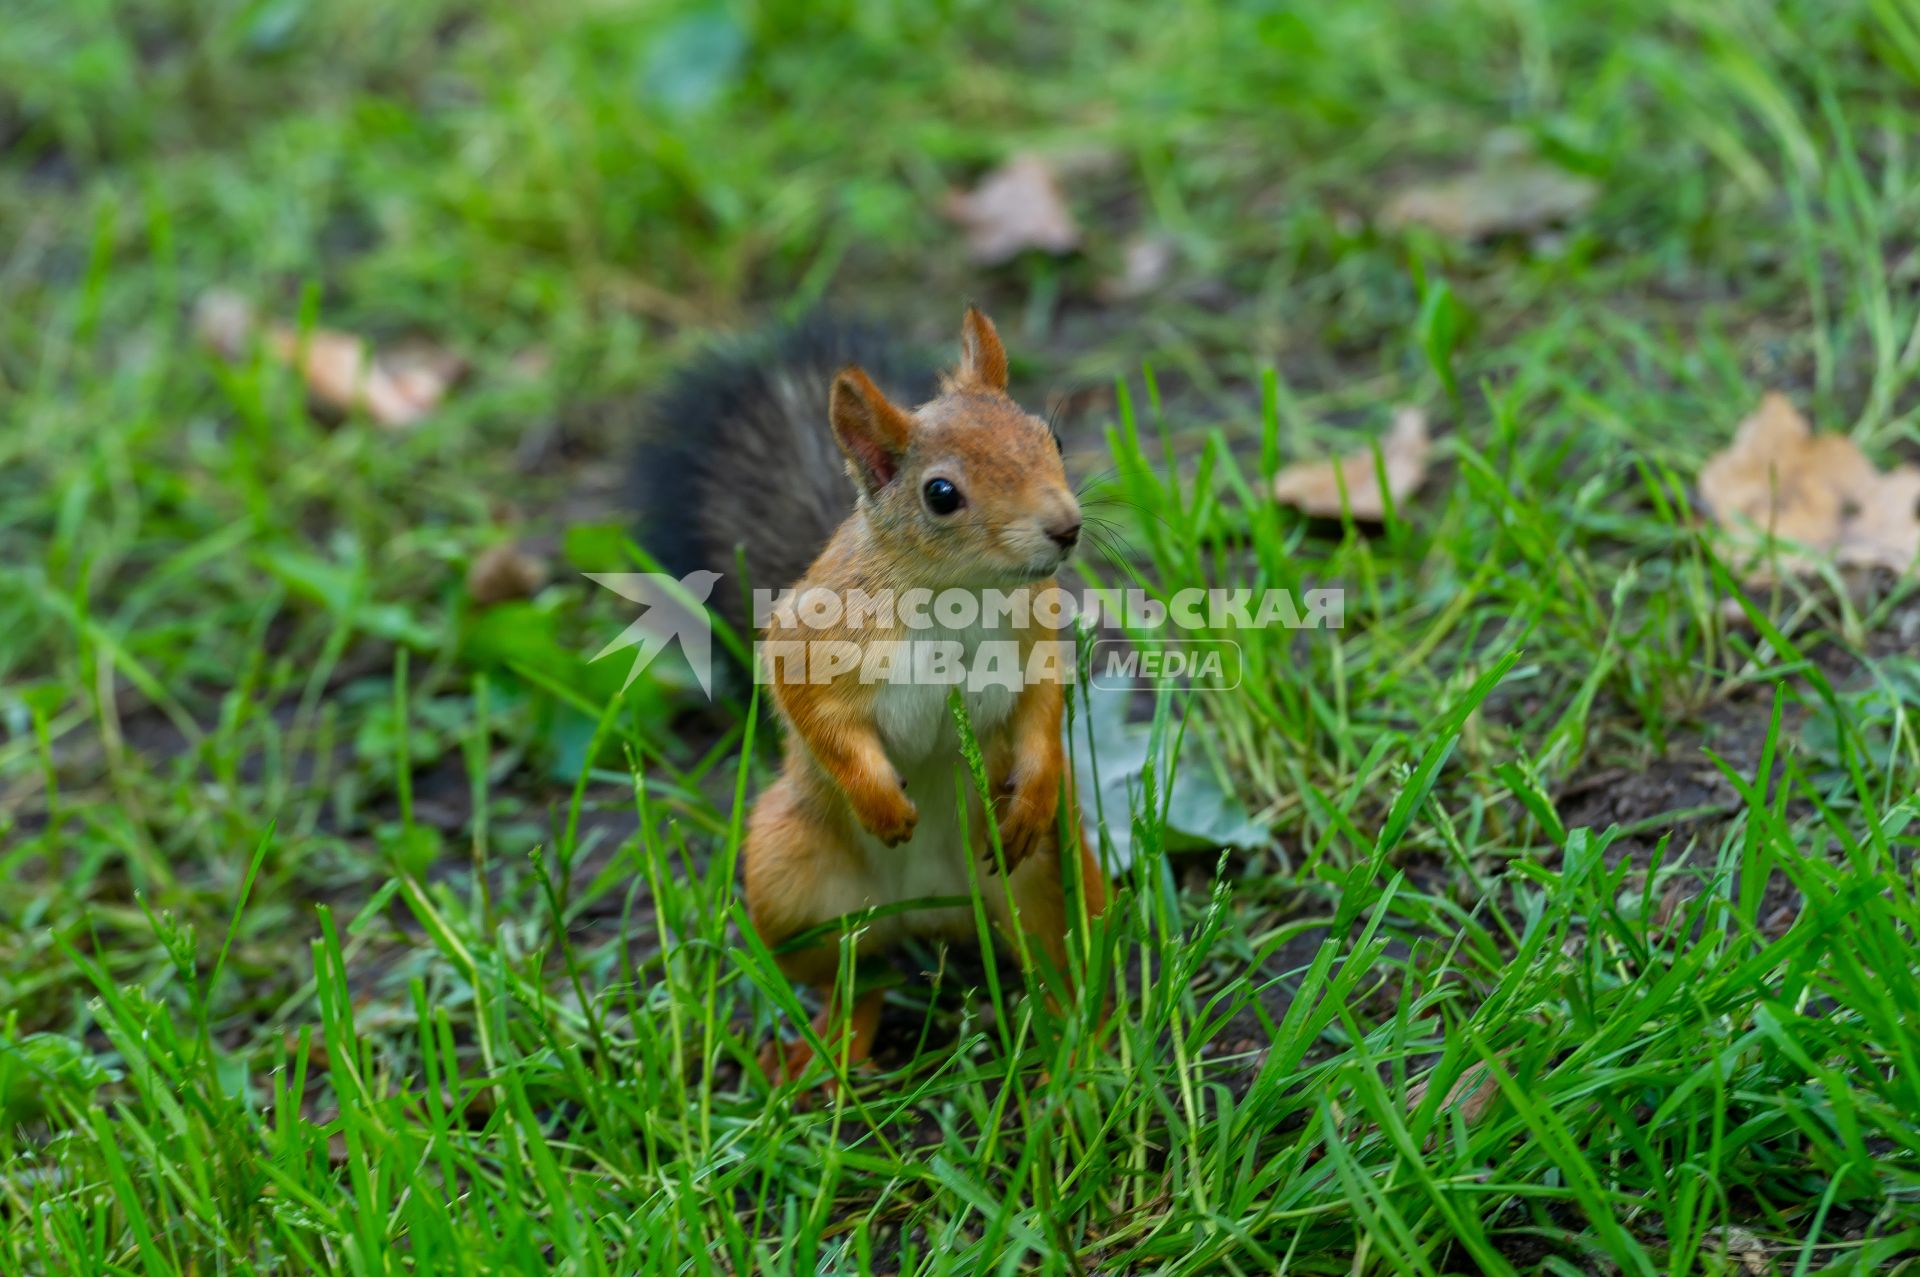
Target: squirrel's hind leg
column 850, row 1038
column 1034, row 899
column 801, row 871
column 1038, row 890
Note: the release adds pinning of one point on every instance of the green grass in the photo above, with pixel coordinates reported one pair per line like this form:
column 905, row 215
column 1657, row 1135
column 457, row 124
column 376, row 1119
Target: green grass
column 347, row 926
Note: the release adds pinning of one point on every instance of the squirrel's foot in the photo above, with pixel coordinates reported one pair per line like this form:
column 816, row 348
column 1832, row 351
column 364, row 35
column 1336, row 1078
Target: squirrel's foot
column 785, row 1062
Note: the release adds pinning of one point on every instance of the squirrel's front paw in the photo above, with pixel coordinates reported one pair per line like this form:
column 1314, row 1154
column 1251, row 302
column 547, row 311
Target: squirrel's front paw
column 889, row 815
column 1026, row 819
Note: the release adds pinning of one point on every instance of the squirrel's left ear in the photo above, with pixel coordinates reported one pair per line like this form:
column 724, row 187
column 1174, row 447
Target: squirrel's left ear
column 983, row 360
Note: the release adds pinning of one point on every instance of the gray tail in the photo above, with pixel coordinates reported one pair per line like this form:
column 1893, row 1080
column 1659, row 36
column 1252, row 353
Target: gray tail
column 737, row 471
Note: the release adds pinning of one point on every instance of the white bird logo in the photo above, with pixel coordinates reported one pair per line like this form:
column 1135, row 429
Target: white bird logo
column 674, row 609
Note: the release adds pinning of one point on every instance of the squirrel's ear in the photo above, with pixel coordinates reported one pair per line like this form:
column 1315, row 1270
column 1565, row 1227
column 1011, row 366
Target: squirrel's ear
column 983, row 360
column 869, row 429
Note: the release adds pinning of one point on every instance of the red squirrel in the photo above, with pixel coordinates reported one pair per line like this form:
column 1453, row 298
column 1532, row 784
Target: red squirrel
column 967, row 491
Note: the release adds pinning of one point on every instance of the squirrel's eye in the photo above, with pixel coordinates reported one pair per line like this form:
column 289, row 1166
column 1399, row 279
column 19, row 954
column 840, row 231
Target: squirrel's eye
column 942, row 496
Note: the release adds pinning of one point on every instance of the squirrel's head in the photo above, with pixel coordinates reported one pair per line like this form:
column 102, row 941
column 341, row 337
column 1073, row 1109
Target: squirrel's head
column 968, row 485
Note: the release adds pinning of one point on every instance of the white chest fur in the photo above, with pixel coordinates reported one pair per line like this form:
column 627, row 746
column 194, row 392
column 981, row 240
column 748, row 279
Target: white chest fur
column 911, row 710
column 917, row 728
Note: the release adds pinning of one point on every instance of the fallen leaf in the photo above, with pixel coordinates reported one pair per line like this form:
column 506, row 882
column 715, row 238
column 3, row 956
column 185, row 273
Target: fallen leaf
column 1110, row 758
column 396, row 388
column 1676, row 897
column 1145, row 263
column 1314, row 486
column 1501, row 197
column 1747, row 1247
column 419, row 372
column 1473, row 1091
column 1886, row 531
column 1779, row 922
column 505, row 571
column 1819, row 493
column 1015, row 207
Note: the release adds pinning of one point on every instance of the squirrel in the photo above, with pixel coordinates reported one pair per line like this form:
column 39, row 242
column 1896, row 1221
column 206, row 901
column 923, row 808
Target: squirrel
column 967, row 491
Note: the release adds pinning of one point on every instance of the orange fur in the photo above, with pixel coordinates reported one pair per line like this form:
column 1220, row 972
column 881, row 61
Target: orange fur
column 865, row 808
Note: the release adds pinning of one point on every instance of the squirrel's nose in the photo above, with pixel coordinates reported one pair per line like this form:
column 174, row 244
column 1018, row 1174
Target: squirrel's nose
column 1065, row 535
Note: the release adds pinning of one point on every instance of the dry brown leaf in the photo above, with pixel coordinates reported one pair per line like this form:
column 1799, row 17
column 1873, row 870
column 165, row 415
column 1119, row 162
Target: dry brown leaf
column 1746, row 1246
column 1015, row 207
column 1500, row 198
column 1473, row 1091
column 1145, row 263
column 1314, row 486
column 419, row 372
column 505, row 571
column 1817, row 492
column 1672, row 901
column 1886, row 531
column 395, row 388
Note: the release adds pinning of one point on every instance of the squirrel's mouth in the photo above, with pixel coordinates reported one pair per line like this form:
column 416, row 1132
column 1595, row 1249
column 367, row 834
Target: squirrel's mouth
column 1040, row 571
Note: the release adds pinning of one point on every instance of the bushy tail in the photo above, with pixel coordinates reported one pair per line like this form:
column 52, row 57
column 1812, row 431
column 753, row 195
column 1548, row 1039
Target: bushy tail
column 738, row 465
